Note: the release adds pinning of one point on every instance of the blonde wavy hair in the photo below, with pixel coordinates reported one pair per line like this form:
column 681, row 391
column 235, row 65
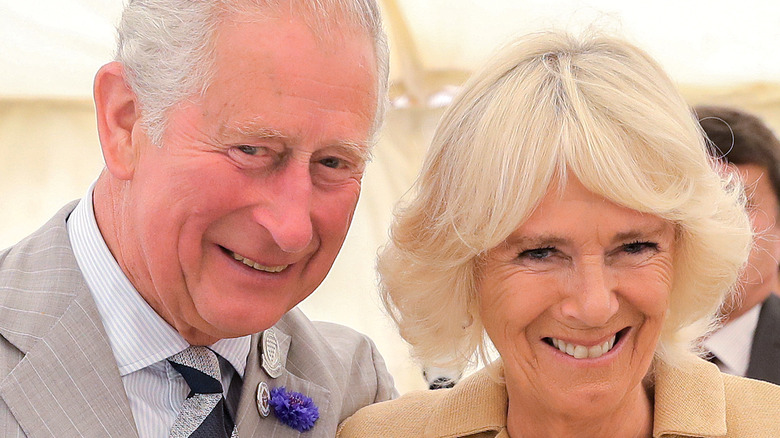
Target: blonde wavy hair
column 595, row 107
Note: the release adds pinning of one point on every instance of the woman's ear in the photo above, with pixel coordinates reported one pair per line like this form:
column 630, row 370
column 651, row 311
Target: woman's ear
column 117, row 113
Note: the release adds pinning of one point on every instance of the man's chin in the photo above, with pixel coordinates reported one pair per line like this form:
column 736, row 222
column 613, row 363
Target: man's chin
column 237, row 324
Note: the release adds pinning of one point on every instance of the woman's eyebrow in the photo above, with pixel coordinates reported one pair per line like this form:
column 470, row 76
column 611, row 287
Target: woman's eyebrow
column 638, row 234
column 536, row 240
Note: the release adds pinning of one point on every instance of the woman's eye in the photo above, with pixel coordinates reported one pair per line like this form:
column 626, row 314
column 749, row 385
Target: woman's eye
column 639, row 247
column 537, row 253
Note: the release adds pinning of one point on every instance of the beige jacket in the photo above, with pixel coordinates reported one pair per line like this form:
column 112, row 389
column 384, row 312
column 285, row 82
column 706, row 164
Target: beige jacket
column 697, row 401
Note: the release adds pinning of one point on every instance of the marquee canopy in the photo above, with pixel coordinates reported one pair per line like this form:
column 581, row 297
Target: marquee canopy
column 51, row 48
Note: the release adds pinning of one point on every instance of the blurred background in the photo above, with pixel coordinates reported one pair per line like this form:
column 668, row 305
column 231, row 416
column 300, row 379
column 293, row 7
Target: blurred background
column 718, row 51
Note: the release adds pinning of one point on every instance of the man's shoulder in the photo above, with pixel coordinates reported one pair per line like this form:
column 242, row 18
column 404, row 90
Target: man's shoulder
column 39, row 278
column 338, row 358
column 320, row 338
column 771, row 307
column 42, row 262
column 52, row 235
column 343, row 340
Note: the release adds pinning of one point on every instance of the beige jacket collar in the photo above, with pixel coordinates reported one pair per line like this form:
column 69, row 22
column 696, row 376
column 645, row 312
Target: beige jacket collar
column 477, row 404
column 689, row 402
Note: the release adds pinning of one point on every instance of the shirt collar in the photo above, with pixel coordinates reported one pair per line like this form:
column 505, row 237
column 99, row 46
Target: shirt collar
column 139, row 337
column 731, row 343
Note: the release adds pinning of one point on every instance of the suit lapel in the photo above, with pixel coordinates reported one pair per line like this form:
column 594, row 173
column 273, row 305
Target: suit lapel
column 765, row 352
column 251, row 423
column 67, row 383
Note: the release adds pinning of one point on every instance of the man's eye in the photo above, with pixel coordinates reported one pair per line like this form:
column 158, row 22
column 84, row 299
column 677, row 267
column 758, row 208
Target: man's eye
column 249, row 150
column 334, row 169
column 332, row 162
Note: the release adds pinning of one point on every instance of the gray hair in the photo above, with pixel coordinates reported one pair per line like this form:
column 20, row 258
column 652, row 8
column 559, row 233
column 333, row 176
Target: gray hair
column 166, row 46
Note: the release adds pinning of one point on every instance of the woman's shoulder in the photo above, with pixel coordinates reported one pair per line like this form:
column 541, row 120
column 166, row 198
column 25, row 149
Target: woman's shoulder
column 406, row 416
column 696, row 399
column 752, row 407
column 476, row 404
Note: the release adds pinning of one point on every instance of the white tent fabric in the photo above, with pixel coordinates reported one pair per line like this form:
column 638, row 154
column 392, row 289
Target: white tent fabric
column 52, row 48
column 720, row 51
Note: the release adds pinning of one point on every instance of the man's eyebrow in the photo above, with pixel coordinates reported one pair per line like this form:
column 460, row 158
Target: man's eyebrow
column 256, row 129
column 360, row 151
column 252, row 129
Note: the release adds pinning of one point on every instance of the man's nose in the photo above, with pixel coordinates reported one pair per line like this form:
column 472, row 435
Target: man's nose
column 591, row 298
column 285, row 209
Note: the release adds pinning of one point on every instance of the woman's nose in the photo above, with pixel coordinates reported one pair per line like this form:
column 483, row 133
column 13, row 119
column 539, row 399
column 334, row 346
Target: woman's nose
column 591, row 297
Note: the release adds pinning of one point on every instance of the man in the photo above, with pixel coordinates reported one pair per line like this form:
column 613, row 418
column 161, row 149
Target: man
column 235, row 134
column 749, row 342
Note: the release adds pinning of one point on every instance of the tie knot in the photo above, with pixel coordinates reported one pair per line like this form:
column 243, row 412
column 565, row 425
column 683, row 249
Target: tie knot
column 200, row 368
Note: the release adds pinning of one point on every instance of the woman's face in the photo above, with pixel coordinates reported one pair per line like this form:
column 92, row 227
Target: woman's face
column 574, row 301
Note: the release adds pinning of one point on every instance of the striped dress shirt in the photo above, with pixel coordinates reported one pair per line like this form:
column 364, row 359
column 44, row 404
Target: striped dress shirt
column 140, row 339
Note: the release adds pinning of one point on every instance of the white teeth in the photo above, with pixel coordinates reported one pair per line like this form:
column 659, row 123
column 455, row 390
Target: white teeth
column 581, row 351
column 258, row 266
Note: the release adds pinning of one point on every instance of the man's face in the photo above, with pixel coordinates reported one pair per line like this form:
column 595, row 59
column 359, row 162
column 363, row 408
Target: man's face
column 241, row 212
column 761, row 272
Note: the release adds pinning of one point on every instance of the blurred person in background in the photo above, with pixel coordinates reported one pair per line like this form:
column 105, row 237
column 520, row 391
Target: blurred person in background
column 569, row 212
column 748, row 344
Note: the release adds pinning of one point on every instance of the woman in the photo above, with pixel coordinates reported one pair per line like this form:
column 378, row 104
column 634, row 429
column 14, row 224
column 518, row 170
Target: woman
column 568, row 210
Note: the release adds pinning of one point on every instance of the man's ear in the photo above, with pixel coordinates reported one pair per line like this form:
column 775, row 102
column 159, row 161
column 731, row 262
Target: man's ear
column 117, row 114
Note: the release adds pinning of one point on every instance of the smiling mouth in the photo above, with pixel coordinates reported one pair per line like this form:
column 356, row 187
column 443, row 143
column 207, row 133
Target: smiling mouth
column 257, row 266
column 582, row 352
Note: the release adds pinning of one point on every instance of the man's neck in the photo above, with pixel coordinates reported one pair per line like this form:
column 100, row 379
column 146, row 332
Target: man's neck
column 739, row 304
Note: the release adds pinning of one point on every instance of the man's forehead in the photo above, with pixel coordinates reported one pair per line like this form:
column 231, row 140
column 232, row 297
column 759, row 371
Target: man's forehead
column 328, row 20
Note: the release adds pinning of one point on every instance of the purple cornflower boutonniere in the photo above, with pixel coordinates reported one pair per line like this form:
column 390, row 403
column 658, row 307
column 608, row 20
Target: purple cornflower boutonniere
column 294, row 409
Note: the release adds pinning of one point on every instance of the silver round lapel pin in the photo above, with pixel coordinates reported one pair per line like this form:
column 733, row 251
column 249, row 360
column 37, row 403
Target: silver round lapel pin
column 263, row 399
column 270, row 355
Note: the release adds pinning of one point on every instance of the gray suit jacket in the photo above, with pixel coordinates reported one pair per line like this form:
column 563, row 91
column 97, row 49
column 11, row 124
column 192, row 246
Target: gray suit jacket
column 59, row 378
column 765, row 352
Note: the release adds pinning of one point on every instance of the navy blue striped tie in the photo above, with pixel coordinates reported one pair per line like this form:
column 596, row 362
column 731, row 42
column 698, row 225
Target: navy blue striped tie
column 204, row 413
